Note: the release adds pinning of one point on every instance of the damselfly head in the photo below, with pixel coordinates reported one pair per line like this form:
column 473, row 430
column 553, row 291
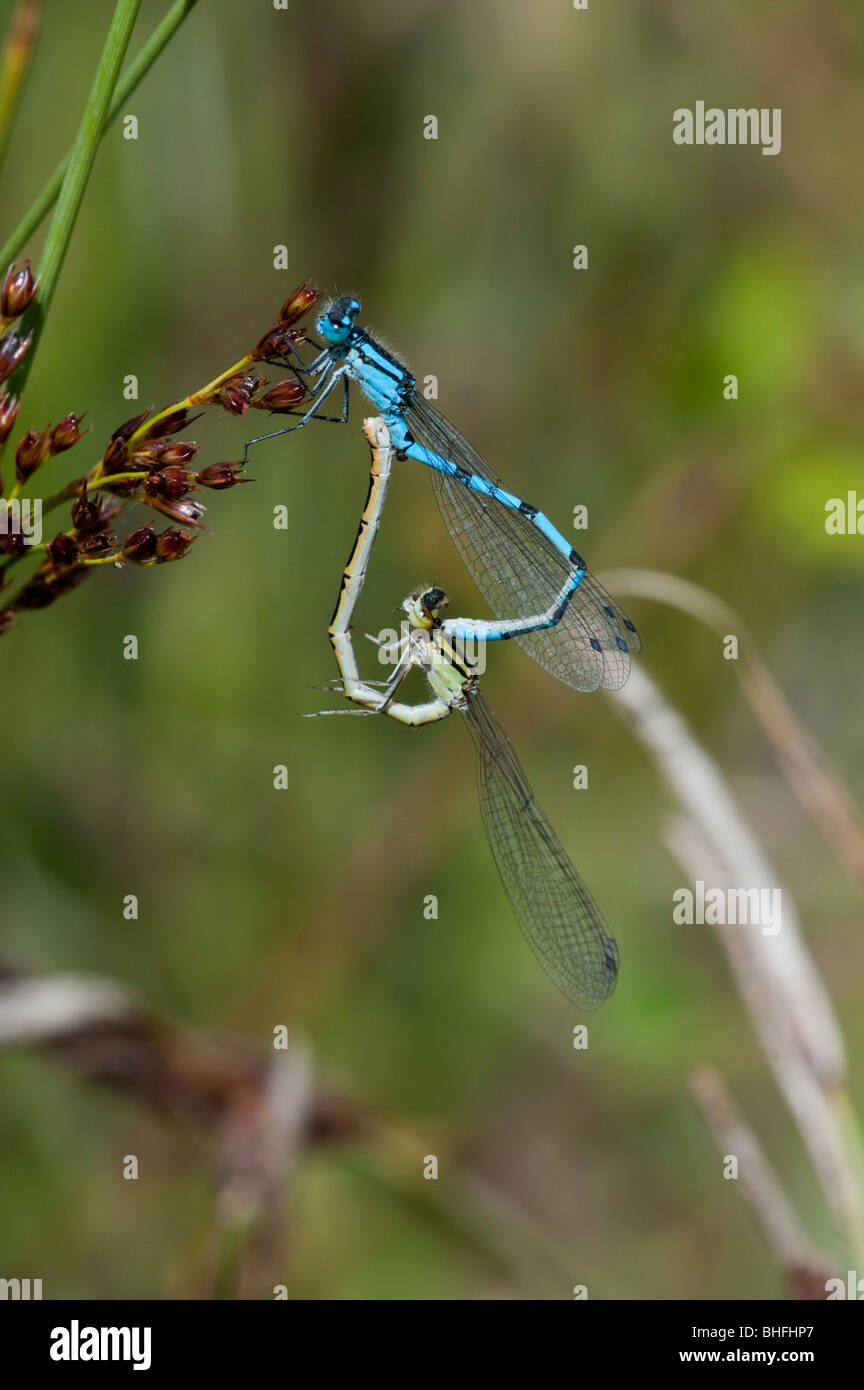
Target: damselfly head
column 424, row 606
column 336, row 323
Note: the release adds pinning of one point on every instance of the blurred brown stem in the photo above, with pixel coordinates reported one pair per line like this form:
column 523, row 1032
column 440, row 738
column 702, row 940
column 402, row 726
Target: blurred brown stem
column 259, row 1109
column 19, row 49
column 807, row 770
column 805, row 1270
column 776, row 977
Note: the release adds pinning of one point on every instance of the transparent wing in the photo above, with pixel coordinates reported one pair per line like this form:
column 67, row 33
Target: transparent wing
column 550, row 902
column 518, row 571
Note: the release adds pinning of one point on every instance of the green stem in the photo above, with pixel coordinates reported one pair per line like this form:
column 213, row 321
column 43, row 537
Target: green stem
column 78, row 170
column 132, row 76
column 81, row 159
column 111, row 478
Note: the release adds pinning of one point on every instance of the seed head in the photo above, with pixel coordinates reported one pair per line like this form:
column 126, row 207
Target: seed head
column 140, row 547
column 171, row 423
column 129, row 427
column 12, row 539
column 8, row 411
column 172, row 545
column 17, row 291
column 99, row 543
column 170, row 483
column 235, row 394
column 31, row 451
column 86, row 514
column 67, row 433
column 164, row 454
column 63, row 550
column 276, row 343
column 221, row 475
column 298, row 303
column 116, row 456
column 13, row 349
column 184, row 509
column 284, row 396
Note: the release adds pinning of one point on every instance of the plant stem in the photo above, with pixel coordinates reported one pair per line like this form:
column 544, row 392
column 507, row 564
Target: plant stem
column 125, row 87
column 18, row 51
column 199, row 397
column 95, row 478
column 113, row 478
column 102, row 560
column 851, row 1131
column 78, row 170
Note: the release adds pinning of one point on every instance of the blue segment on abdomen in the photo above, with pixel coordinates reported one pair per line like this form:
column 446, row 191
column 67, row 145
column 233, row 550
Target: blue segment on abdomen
column 480, row 485
column 384, row 382
column 490, row 632
column 542, row 522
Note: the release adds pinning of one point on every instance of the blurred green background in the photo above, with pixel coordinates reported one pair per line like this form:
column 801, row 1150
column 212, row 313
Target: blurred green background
column 602, row 387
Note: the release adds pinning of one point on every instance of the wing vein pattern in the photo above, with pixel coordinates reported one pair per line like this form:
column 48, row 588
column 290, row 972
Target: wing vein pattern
column 518, row 570
column 552, row 905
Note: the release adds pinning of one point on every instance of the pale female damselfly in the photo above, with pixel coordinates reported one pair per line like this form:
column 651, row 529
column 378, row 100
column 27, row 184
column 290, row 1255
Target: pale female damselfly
column 549, row 899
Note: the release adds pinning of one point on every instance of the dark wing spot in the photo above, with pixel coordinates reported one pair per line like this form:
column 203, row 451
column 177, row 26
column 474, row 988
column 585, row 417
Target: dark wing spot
column 610, row 951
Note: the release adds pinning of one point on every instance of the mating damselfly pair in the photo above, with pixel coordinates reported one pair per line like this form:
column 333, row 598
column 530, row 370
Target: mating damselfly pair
column 524, row 568
column 514, row 554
